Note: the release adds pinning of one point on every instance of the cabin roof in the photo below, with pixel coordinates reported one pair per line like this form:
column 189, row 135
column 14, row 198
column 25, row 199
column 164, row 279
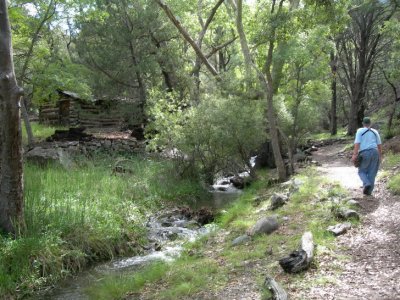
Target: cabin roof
column 69, row 94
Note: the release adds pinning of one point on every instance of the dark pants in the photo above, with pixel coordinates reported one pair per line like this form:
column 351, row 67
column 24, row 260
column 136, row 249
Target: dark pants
column 369, row 167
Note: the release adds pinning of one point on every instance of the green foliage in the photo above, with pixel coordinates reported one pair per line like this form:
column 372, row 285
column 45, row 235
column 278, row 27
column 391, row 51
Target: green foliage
column 42, row 61
column 305, row 97
column 62, row 75
column 391, row 160
column 40, row 131
column 217, row 135
column 394, row 184
column 117, row 287
column 184, row 278
column 83, row 215
column 327, row 135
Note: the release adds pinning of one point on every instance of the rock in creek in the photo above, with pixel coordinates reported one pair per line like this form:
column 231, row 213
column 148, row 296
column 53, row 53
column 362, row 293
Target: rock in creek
column 240, row 182
column 265, row 225
column 339, row 229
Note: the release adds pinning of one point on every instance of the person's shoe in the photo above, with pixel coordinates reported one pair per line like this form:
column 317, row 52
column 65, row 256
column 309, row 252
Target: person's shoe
column 367, row 190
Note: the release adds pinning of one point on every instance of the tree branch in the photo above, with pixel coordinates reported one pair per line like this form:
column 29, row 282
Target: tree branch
column 187, row 37
column 105, row 72
column 219, row 47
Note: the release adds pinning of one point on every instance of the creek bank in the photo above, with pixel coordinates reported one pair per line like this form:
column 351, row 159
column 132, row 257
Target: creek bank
column 167, row 232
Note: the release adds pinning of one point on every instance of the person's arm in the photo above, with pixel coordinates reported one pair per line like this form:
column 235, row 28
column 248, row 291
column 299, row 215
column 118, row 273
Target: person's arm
column 355, row 151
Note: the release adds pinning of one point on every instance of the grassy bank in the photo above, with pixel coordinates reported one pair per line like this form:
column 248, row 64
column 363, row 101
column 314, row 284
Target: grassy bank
column 391, row 166
column 209, row 264
column 40, row 131
column 84, row 214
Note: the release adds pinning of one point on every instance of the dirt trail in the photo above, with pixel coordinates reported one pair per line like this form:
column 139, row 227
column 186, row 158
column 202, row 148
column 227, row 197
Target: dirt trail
column 372, row 270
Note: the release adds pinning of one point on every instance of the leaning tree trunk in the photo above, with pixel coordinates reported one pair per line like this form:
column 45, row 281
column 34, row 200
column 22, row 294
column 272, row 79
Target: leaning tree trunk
column 268, row 88
column 11, row 183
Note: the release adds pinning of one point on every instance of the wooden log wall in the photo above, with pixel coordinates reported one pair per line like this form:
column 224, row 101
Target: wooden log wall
column 83, row 114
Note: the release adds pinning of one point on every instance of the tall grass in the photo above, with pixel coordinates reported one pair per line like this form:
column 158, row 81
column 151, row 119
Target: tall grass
column 40, row 131
column 84, row 214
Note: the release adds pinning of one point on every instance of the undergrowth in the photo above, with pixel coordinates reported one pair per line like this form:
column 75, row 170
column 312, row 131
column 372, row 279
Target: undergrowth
column 85, row 214
column 208, row 263
column 391, row 163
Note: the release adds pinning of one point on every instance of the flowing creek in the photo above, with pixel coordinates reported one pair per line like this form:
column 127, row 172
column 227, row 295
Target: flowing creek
column 167, row 233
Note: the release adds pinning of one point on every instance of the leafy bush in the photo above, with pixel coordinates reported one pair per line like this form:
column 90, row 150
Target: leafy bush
column 217, row 135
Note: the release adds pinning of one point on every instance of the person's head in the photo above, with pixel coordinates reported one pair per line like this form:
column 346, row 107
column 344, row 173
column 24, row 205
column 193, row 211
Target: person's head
column 366, row 122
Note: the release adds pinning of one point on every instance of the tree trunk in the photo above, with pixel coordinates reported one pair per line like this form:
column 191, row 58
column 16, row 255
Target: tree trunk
column 353, row 117
column 273, row 131
column 50, row 11
column 334, row 94
column 141, row 83
column 267, row 84
column 393, row 110
column 27, row 123
column 11, row 179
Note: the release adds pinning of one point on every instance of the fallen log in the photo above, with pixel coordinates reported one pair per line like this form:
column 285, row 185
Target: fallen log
column 299, row 260
column 277, row 292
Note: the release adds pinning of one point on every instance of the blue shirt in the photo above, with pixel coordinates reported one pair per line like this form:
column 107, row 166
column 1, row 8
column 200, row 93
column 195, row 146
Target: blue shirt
column 370, row 140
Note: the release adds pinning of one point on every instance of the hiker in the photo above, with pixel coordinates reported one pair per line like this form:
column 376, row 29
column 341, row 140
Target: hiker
column 368, row 149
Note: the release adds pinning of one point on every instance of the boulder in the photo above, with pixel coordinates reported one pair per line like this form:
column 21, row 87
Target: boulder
column 345, row 214
column 222, row 188
column 278, row 200
column 300, row 156
column 45, row 156
column 265, row 225
column 293, row 185
column 241, row 240
column 265, row 157
column 204, row 216
column 339, row 229
column 237, row 182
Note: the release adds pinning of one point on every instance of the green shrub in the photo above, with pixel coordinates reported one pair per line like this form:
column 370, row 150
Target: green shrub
column 217, row 135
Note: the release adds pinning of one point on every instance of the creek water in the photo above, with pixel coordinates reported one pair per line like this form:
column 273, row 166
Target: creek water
column 167, row 233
